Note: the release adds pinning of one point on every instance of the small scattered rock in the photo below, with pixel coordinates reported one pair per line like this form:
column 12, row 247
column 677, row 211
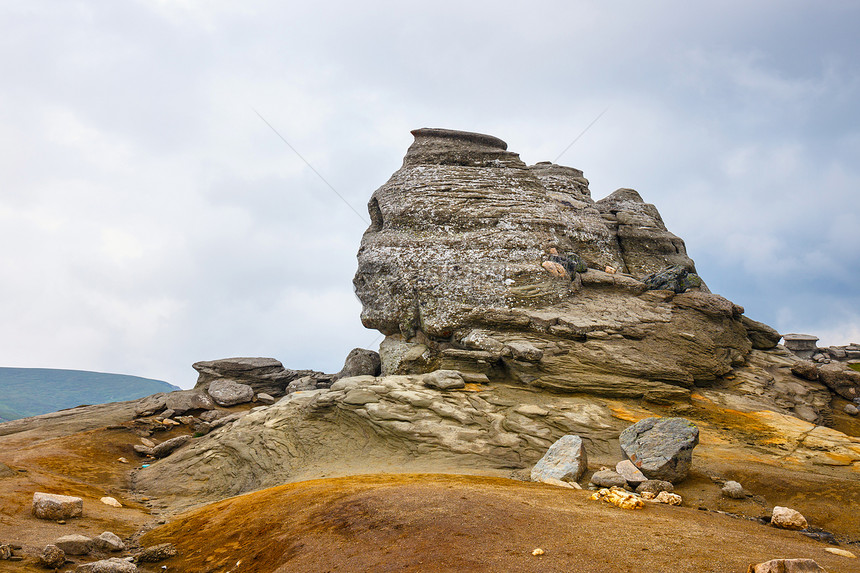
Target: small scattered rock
column 147, row 442
column 655, row 486
column 786, row 566
column 667, row 498
column 112, row 565
column 228, row 393
column 156, row 553
column 842, row 552
column 608, row 478
column 107, row 500
column 108, row 541
column 538, row 551
column 787, row 518
column 5, row 552
column 444, row 380
column 733, row 490
column 52, row 557
column 264, row 398
column 565, row 460
column 630, row 472
column 851, row 409
column 75, row 544
column 54, row 506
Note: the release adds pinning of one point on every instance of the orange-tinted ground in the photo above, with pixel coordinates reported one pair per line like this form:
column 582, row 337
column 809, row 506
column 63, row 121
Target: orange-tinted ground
column 428, row 522
column 465, row 523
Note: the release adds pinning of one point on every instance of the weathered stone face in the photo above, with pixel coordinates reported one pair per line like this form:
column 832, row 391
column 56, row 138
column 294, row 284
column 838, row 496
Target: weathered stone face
column 474, row 261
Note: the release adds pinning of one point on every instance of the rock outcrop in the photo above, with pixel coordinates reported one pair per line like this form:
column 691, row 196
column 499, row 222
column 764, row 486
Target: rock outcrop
column 476, row 262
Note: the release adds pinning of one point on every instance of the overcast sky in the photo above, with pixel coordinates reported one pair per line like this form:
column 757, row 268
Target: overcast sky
column 150, row 219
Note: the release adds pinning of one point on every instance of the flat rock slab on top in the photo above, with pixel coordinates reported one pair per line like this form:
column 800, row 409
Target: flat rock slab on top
column 262, row 374
column 662, row 448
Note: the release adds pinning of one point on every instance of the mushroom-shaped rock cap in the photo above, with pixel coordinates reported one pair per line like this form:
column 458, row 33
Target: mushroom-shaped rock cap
column 460, row 136
column 434, row 146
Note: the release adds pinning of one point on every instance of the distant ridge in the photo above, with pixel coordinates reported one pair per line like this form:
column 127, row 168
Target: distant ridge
column 28, row 392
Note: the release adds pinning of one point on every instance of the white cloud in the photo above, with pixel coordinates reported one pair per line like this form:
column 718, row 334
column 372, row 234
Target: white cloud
column 154, row 220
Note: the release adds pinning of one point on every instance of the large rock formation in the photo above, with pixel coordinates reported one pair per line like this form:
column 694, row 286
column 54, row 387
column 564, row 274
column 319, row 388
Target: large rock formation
column 493, row 282
column 477, row 262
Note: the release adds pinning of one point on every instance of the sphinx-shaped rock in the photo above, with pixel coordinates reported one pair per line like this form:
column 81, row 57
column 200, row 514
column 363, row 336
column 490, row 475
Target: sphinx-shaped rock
column 475, row 262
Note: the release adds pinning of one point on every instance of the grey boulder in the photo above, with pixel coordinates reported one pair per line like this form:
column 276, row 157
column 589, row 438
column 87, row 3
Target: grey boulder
column 565, row 460
column 733, row 490
column 185, row 400
column 108, row 541
column 360, row 362
column 75, row 544
column 630, row 472
column 229, row 393
column 662, row 448
column 608, row 478
column 55, row 506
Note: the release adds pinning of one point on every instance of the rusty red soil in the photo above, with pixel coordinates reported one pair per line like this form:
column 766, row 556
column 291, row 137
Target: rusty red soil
column 422, row 522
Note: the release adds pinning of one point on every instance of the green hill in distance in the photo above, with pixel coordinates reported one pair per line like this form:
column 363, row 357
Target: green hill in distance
column 28, row 392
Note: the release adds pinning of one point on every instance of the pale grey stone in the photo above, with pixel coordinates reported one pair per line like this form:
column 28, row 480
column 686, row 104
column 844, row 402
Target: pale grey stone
column 229, row 393
column 630, row 472
column 608, row 478
column 55, row 506
column 75, row 544
column 733, row 490
column 444, row 380
column 108, row 541
column 565, row 460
